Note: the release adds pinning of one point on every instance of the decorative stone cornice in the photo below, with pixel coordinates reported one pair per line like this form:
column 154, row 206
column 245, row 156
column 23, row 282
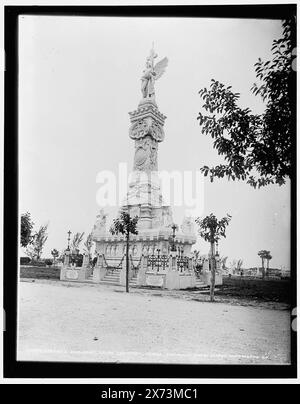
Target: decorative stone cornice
column 147, row 120
column 149, row 235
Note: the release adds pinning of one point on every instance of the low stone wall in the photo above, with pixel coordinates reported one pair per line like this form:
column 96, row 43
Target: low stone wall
column 75, row 274
column 155, row 279
column 171, row 280
column 186, row 281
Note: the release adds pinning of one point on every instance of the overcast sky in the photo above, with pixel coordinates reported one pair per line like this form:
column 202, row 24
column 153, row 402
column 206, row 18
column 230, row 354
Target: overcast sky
column 79, row 78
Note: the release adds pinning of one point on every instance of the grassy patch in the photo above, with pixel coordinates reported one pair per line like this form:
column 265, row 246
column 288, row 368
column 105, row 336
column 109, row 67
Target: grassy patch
column 267, row 290
column 39, row 272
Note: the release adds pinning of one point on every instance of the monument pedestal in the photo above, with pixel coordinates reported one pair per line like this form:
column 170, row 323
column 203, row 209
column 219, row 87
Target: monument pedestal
column 144, row 196
column 75, row 274
column 99, row 274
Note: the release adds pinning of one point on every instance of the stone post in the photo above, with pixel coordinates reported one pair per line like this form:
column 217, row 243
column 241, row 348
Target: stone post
column 123, row 272
column 85, row 262
column 192, row 264
column 173, row 261
column 172, row 275
column 218, row 264
column 141, row 277
column 99, row 260
column 206, row 265
column 67, row 258
column 99, row 270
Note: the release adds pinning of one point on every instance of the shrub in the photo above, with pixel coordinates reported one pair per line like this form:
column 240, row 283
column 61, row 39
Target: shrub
column 76, row 259
column 24, row 260
column 36, row 263
column 48, row 261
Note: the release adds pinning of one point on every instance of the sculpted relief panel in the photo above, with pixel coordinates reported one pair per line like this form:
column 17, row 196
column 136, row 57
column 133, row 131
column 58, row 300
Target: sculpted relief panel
column 146, row 126
column 145, row 158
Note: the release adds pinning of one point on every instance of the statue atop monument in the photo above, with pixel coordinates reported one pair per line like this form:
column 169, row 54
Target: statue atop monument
column 152, row 73
column 147, row 121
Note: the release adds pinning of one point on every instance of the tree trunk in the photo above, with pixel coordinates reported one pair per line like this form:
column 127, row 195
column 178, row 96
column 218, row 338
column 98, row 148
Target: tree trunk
column 267, row 268
column 263, row 268
column 127, row 263
column 213, row 272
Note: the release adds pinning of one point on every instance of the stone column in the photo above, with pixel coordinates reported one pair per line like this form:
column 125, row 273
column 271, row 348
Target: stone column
column 206, row 265
column 85, row 261
column 99, row 270
column 67, row 258
column 123, row 272
column 172, row 275
column 141, row 277
column 99, row 262
column 173, row 261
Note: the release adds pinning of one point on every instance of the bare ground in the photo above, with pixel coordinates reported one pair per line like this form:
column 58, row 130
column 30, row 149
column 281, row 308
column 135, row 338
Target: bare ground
column 65, row 321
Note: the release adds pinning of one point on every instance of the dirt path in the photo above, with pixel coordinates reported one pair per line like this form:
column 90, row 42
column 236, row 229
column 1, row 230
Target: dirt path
column 81, row 322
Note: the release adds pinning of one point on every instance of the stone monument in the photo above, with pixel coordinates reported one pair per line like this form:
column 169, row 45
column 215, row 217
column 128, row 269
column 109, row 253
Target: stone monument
column 144, row 197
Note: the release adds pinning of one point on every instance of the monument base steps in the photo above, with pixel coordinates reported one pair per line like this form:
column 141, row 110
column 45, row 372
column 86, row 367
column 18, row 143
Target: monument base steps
column 200, row 284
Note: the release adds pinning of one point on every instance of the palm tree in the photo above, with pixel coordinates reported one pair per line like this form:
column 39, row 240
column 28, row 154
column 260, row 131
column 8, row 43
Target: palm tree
column 88, row 244
column 211, row 229
column 268, row 258
column 263, row 255
column 125, row 225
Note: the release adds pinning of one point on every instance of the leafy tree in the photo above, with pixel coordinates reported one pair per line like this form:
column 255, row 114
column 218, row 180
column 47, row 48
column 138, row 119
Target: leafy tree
column 211, row 229
column 61, row 256
column 34, row 251
column 77, row 239
column 125, row 225
column 76, row 259
column 239, row 266
column 54, row 254
column 26, row 229
column 256, row 148
column 88, row 244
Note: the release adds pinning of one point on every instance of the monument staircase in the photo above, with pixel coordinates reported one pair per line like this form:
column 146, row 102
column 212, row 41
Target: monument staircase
column 133, row 281
column 144, row 200
column 199, row 284
column 112, row 277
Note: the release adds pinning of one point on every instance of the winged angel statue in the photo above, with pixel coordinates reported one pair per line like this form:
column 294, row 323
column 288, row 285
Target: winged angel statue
column 152, row 73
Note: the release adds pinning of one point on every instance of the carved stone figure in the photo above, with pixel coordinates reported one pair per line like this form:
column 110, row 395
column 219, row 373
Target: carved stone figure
column 167, row 219
column 145, row 158
column 152, row 73
column 157, row 219
column 100, row 225
column 187, row 226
